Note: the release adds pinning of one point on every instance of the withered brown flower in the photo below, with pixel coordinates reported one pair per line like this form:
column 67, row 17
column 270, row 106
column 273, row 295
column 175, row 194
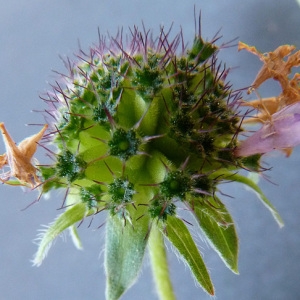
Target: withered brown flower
column 276, row 67
column 19, row 158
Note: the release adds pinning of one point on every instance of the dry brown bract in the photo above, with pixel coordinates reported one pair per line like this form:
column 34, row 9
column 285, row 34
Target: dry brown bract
column 276, row 65
column 19, row 158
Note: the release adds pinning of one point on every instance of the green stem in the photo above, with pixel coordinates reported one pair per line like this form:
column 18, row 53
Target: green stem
column 159, row 264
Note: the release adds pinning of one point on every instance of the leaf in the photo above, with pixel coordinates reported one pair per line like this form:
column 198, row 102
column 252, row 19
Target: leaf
column 218, row 227
column 124, row 252
column 180, row 237
column 45, row 239
column 254, row 188
column 75, row 237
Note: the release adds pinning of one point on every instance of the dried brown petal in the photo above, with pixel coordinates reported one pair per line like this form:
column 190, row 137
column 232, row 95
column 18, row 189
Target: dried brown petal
column 19, row 157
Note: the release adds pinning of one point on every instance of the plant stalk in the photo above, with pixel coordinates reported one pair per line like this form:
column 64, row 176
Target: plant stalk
column 159, row 265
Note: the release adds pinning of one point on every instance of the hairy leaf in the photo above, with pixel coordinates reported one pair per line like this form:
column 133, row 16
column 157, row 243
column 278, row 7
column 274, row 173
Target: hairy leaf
column 218, row 227
column 254, row 188
column 180, row 237
column 63, row 221
column 124, row 252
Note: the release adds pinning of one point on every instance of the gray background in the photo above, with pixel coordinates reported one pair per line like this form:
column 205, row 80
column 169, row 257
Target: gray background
column 32, row 36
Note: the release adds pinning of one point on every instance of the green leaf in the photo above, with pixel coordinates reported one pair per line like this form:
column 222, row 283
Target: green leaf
column 75, row 237
column 218, row 227
column 74, row 214
column 254, row 188
column 124, row 252
column 180, row 237
column 15, row 183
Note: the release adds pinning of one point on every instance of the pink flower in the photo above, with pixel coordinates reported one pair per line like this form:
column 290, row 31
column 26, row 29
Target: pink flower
column 281, row 132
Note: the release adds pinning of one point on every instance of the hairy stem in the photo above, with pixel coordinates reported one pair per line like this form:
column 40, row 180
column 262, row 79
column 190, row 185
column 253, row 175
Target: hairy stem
column 160, row 265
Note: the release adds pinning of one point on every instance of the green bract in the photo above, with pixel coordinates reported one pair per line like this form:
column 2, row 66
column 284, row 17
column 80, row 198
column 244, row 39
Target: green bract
column 141, row 129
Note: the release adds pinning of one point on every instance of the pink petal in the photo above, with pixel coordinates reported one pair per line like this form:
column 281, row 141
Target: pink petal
column 282, row 132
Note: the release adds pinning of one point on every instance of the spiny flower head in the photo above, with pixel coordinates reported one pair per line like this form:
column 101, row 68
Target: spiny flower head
column 142, row 130
column 147, row 107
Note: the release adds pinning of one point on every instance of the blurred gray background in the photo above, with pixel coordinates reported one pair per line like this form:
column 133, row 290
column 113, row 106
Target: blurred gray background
column 32, row 36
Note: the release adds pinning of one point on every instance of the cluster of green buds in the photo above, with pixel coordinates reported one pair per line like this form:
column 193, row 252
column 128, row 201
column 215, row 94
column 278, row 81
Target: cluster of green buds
column 143, row 131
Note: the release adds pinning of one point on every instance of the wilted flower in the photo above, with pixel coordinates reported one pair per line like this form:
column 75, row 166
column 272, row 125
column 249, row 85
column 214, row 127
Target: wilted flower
column 19, row 159
column 280, row 114
column 282, row 132
column 274, row 64
column 275, row 67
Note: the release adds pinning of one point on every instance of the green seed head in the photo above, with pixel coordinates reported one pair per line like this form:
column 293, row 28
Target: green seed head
column 144, row 131
column 139, row 112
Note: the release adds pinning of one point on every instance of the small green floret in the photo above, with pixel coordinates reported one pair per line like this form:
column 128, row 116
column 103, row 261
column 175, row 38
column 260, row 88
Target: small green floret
column 70, row 166
column 124, row 144
column 182, row 124
column 202, row 185
column 121, row 191
column 161, row 208
column 91, row 195
column 176, row 184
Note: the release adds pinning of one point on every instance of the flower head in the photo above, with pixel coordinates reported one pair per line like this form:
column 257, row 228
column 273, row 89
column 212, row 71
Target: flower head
column 141, row 131
column 148, row 123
